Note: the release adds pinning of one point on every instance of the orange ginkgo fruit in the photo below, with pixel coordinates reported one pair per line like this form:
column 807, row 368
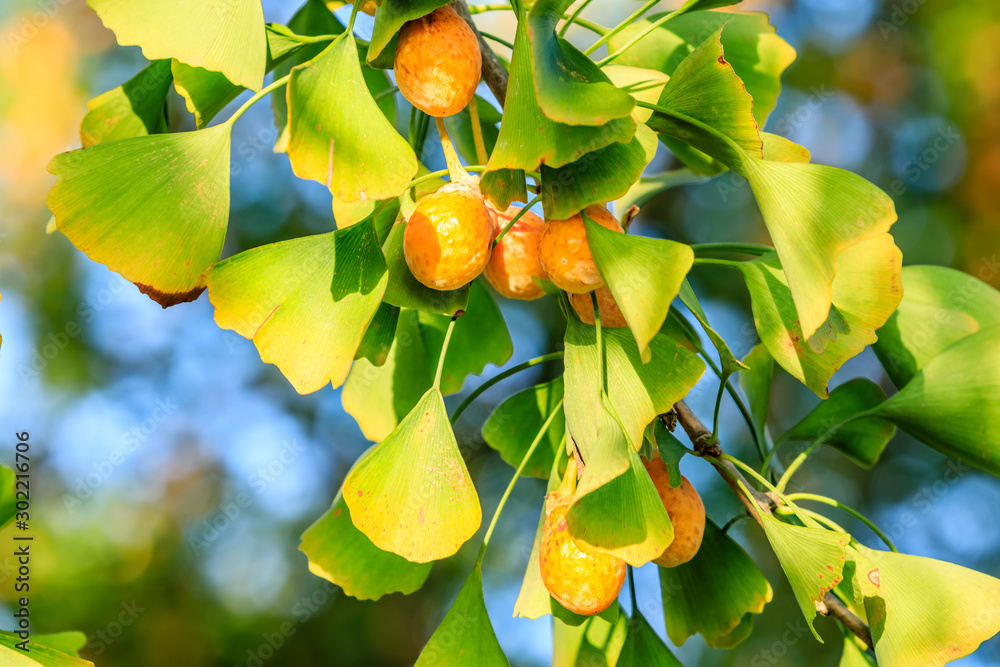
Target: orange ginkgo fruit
column 438, row 63
column 565, row 254
column 367, row 6
column 686, row 511
column 585, row 583
column 515, row 258
column 611, row 314
column 448, row 237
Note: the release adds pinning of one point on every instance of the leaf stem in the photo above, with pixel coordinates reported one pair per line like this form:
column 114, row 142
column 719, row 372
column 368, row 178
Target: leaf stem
column 444, row 351
column 600, row 342
column 718, row 408
column 350, row 23
column 621, row 26
column 477, row 132
column 513, row 480
column 745, row 248
column 497, row 39
column 513, row 221
column 720, row 262
column 477, row 392
column 386, row 93
column 270, row 88
column 758, row 443
column 573, row 17
column 583, row 23
column 642, row 35
column 857, row 515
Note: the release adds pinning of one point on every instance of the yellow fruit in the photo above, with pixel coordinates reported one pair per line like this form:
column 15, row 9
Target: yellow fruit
column 368, row 7
column 447, row 238
column 585, row 583
column 686, row 511
column 565, row 255
column 611, row 314
column 438, row 62
column 515, row 258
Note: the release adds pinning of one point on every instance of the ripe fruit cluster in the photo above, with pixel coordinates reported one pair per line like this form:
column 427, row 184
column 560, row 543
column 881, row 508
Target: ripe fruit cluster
column 587, row 582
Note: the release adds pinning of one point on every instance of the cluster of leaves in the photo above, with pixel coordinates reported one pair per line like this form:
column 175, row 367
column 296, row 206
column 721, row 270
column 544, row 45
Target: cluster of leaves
column 341, row 308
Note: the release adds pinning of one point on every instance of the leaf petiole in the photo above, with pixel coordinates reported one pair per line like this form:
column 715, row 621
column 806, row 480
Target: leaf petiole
column 857, row 515
column 552, row 356
column 444, row 351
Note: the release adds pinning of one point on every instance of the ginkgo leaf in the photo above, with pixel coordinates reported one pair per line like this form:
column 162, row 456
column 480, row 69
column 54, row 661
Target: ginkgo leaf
column 390, row 17
column 643, row 274
column 40, row 653
column 597, row 642
column 553, row 144
column 133, row 109
column 168, row 192
column 643, row 647
column 639, row 392
column 413, row 495
column 378, row 397
column 616, row 509
column 465, row 636
column 205, row 92
column 341, row 553
column 379, row 335
column 570, row 87
column 337, row 133
column 953, row 403
column 727, row 360
column 940, row 306
column 515, row 422
column 305, row 302
column 812, row 559
column 865, row 292
column 756, row 383
column 833, row 420
column 714, row 592
column 854, row 655
column 925, row 611
column 226, row 37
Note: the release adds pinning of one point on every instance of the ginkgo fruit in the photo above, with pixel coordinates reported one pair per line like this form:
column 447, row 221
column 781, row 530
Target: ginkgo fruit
column 611, row 314
column 515, row 257
column 565, row 254
column 584, row 583
column 686, row 511
column 367, row 6
column 438, row 63
column 448, row 237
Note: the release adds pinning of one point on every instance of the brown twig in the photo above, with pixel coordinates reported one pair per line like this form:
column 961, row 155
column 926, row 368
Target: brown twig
column 700, row 436
column 493, row 72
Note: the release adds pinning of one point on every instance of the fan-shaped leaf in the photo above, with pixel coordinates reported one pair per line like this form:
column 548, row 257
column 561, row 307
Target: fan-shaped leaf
column 43, row 650
column 154, row 208
column 643, row 648
column 643, row 274
column 337, row 134
column 953, row 403
column 379, row 335
column 862, row 440
column 595, row 643
column 305, row 302
column 714, row 592
column 133, row 109
column 226, row 37
column 865, row 292
column 940, row 306
column 516, row 421
column 412, row 495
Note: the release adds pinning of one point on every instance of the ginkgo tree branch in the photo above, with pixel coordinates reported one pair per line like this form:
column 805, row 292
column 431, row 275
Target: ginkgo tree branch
column 701, row 436
column 494, row 73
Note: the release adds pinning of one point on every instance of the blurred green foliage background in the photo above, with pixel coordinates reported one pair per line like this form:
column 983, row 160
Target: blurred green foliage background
column 174, row 471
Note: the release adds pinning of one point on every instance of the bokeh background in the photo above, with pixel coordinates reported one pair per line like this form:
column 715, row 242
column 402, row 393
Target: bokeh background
column 147, row 424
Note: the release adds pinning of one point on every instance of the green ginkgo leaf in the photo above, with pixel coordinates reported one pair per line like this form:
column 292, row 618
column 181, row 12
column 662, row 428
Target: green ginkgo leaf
column 379, row 336
column 133, row 109
column 756, row 383
column 714, row 592
column 940, row 306
column 205, row 92
column 854, row 655
column 727, row 360
column 953, row 403
column 226, row 37
column 514, row 424
column 390, row 17
column 758, row 55
column 553, row 144
column 341, row 553
column 337, row 134
column 865, row 292
column 378, row 397
column 595, row 643
column 169, row 192
column 56, row 650
column 910, row 630
column 639, row 392
column 643, row 274
column 465, row 636
column 570, row 87
column 812, row 559
column 616, row 509
column 643, row 648
column 413, row 495
column 834, row 420
column 305, row 302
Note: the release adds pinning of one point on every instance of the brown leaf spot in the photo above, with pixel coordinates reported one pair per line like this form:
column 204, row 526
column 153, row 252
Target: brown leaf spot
column 875, row 577
column 167, row 299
